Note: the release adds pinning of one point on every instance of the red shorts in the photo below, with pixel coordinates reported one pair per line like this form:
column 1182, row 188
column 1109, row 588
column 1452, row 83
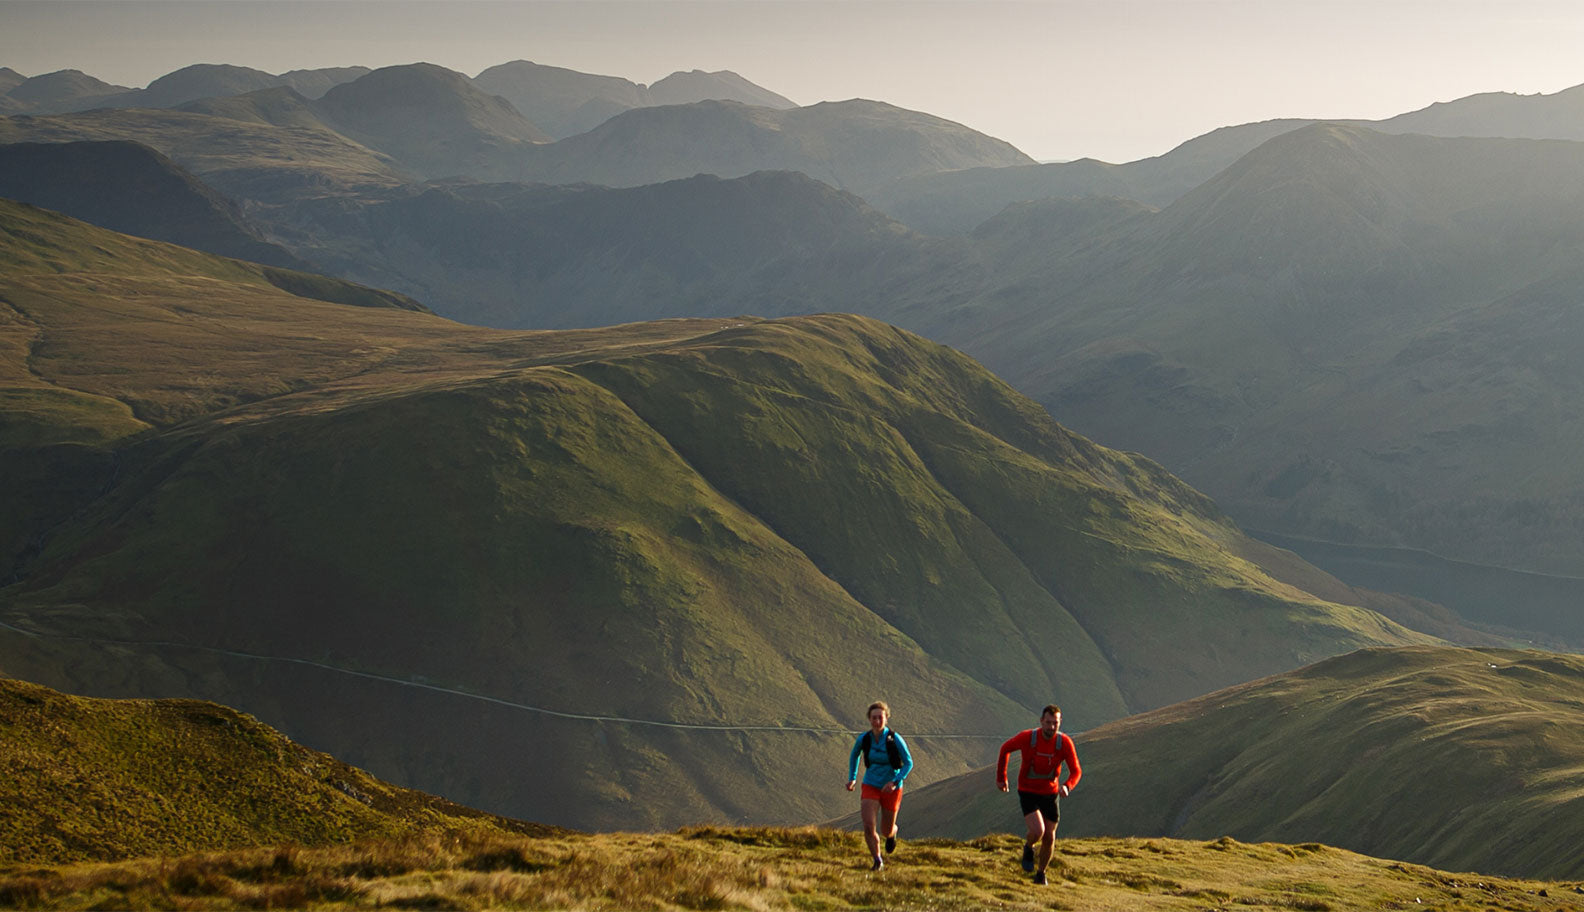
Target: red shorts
column 888, row 800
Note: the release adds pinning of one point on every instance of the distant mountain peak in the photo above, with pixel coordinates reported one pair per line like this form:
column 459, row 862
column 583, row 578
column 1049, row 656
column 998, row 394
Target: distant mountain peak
column 697, row 85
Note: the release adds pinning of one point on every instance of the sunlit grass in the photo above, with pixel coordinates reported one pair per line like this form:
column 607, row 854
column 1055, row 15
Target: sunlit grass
column 769, row 868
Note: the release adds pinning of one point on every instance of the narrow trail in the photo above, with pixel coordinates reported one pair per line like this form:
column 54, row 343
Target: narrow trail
column 512, row 704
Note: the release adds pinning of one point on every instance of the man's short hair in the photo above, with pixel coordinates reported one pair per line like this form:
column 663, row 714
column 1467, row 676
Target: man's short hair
column 1050, row 708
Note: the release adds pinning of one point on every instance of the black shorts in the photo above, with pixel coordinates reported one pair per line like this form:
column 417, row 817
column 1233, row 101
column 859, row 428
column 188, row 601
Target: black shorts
column 1049, row 806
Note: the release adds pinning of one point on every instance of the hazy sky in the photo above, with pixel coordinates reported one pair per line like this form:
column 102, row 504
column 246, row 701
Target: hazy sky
column 1112, row 79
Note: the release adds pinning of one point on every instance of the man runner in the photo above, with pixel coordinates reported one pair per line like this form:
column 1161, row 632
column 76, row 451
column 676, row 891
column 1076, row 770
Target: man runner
column 1039, row 787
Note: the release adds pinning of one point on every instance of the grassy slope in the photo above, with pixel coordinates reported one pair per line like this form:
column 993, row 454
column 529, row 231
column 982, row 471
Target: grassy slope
column 763, row 869
column 87, row 779
column 239, row 157
column 709, row 522
column 1459, row 758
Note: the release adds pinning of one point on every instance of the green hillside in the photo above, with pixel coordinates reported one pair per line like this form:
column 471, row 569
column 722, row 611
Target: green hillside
column 1458, row 758
column 617, row 578
column 97, row 780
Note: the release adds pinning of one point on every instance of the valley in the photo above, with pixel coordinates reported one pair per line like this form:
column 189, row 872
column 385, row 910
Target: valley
column 508, row 490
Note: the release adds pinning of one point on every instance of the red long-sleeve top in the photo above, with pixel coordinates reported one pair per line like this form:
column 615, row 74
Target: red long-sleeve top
column 1042, row 762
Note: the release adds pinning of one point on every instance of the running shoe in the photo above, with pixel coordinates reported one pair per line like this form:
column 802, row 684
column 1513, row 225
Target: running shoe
column 890, row 844
column 1039, row 878
column 878, row 863
column 1028, row 858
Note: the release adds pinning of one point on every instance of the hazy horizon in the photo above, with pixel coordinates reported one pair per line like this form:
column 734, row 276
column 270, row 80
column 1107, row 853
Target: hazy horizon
column 1117, row 80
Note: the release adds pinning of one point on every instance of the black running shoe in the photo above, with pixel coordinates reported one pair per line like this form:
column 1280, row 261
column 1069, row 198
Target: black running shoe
column 890, row 844
column 1028, row 858
column 1039, row 878
column 878, row 863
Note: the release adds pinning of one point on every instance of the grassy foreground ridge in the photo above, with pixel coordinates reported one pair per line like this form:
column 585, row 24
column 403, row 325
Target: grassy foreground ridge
column 772, row 869
column 88, row 780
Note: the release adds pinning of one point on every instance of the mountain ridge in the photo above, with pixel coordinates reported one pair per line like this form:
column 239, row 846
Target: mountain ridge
column 1471, row 740
column 128, row 187
column 675, row 500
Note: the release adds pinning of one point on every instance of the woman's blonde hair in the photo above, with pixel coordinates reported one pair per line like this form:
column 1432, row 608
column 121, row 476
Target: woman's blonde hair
column 880, row 705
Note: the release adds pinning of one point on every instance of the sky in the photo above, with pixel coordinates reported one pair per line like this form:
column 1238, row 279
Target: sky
column 1116, row 80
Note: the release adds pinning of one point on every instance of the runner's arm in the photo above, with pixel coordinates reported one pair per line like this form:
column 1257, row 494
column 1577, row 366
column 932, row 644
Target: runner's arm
column 907, row 761
column 1007, row 748
column 1074, row 771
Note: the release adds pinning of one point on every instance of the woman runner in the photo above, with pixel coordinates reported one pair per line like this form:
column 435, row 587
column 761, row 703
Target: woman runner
column 888, row 761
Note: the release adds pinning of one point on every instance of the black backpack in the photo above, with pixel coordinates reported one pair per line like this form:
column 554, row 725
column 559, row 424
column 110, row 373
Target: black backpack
column 892, row 751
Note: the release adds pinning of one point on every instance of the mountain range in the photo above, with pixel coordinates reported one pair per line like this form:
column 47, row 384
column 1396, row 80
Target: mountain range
column 547, row 573
column 1457, row 758
column 1348, row 336
column 1384, row 251
column 561, row 101
column 68, row 91
column 1367, row 269
column 566, row 102
column 957, row 201
column 406, row 123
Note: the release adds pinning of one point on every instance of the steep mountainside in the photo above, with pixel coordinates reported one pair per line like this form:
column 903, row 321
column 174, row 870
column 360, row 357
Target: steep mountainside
column 852, row 145
column 513, row 255
column 1469, row 760
column 1346, row 336
column 88, row 779
column 133, row 189
column 551, row 573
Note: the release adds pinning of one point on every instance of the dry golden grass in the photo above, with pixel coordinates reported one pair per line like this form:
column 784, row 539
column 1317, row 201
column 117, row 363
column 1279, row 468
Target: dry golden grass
column 769, row 869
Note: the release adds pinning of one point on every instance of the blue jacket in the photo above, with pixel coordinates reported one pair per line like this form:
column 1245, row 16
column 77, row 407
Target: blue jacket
column 880, row 769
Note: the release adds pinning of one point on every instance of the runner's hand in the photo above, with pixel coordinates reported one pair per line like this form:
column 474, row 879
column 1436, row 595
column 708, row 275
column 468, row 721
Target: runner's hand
column 1066, row 791
column 851, row 784
column 1003, row 787
column 889, row 787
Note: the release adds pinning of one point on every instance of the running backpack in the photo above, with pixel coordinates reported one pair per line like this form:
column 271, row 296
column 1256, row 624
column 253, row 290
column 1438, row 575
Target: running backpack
column 892, row 751
column 1039, row 770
